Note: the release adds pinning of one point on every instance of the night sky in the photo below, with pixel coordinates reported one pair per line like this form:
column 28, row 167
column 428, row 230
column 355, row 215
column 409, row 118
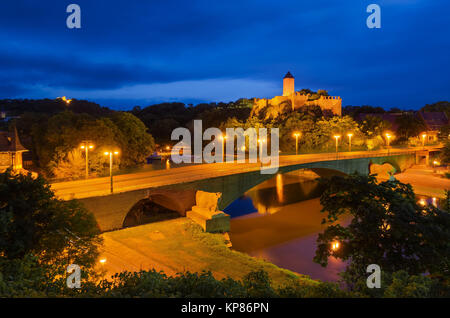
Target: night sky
column 138, row 52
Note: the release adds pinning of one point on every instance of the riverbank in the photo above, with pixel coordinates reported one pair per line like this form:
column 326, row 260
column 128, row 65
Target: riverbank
column 425, row 181
column 179, row 245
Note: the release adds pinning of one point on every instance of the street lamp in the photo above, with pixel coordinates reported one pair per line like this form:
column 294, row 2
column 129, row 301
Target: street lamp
column 435, row 163
column 423, row 140
column 349, row 135
column 296, row 135
column 434, row 201
column 261, row 141
column 335, row 245
column 388, row 139
column 110, row 154
column 337, row 141
column 86, row 145
column 223, row 138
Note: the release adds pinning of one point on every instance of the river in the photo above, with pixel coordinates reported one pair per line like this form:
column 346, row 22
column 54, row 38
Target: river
column 279, row 220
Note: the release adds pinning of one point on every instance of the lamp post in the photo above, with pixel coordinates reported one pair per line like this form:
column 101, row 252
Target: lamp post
column 110, row 154
column 223, row 138
column 86, row 145
column 260, row 141
column 423, row 140
column 296, row 135
column 435, row 163
column 388, row 139
column 349, row 135
column 337, row 141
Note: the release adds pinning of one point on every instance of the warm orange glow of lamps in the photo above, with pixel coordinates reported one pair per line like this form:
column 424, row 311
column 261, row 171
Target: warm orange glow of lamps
column 110, row 154
column 296, row 135
column 337, row 143
column 335, row 245
column 223, row 138
column 86, row 146
column 423, row 140
column 350, row 135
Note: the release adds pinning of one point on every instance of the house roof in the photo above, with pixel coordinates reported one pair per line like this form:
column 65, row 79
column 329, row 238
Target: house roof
column 434, row 120
column 10, row 142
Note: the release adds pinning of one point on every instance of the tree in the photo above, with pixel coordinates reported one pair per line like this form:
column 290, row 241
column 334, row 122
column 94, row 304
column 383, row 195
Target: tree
column 71, row 167
column 409, row 125
column 162, row 129
column 445, row 154
column 306, row 91
column 133, row 140
column 296, row 122
column 444, row 133
column 57, row 141
column 373, row 126
column 62, row 133
column 443, row 106
column 388, row 228
column 321, row 138
column 354, row 111
column 34, row 222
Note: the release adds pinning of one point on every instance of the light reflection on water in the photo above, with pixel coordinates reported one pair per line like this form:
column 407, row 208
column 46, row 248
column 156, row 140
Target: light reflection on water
column 279, row 221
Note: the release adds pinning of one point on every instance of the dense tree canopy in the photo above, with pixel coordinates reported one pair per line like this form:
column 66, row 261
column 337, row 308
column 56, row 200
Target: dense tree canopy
column 162, row 119
column 445, row 154
column 388, row 227
column 409, row 125
column 442, row 106
column 16, row 107
column 56, row 142
column 34, row 222
column 133, row 140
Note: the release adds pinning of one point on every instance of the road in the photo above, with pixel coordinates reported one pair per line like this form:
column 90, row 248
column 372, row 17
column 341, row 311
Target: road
column 122, row 183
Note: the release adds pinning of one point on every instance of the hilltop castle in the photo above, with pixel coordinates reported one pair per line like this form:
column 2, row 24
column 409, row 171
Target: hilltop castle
column 292, row 100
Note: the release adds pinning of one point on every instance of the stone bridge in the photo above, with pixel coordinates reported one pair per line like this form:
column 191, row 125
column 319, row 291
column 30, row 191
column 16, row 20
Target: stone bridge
column 111, row 210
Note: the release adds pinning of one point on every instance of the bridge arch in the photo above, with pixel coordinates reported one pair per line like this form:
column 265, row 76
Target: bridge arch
column 148, row 211
column 248, row 181
column 159, row 204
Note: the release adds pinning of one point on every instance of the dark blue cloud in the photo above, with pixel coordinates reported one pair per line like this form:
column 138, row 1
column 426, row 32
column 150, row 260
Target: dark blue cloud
column 154, row 47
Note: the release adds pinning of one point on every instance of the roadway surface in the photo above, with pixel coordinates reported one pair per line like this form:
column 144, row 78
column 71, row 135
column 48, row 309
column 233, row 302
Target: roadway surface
column 142, row 180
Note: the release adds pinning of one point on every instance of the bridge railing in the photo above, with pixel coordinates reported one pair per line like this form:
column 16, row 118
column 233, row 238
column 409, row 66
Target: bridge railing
column 288, row 160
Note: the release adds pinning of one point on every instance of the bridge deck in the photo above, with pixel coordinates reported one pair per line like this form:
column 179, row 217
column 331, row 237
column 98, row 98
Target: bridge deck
column 152, row 179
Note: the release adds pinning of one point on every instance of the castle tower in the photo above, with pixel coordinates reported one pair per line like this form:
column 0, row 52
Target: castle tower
column 288, row 84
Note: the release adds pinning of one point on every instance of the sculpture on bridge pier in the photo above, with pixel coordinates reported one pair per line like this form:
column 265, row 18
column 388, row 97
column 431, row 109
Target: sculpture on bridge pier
column 205, row 212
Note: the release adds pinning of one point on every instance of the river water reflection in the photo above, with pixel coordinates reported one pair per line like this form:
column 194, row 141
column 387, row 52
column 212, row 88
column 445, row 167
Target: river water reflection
column 279, row 221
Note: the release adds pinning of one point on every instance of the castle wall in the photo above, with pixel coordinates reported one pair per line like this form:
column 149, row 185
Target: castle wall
column 333, row 103
column 296, row 101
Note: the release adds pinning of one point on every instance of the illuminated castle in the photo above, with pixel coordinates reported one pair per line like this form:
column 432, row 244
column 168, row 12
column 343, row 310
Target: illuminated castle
column 292, row 100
